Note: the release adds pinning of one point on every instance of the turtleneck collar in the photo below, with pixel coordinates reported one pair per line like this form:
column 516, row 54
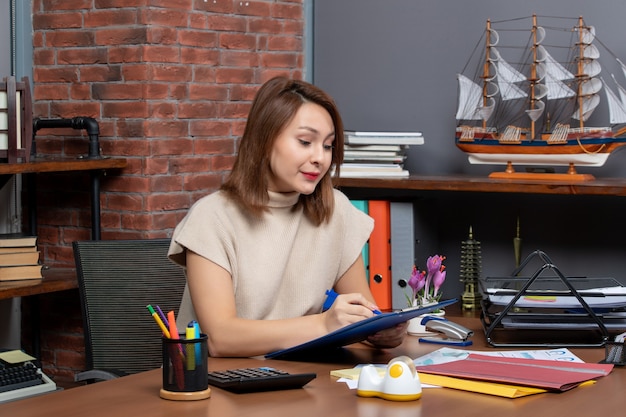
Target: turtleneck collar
column 283, row 199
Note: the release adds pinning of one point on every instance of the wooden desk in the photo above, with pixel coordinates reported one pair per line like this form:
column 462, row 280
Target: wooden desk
column 138, row 395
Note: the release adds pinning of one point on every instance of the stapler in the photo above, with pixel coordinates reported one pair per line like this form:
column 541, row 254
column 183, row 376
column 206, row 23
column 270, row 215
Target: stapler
column 455, row 333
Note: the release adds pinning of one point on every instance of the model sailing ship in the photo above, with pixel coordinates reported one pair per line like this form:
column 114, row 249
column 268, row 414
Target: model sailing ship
column 535, row 111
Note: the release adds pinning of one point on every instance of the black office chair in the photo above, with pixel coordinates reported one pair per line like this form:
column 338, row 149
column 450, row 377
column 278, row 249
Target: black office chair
column 117, row 280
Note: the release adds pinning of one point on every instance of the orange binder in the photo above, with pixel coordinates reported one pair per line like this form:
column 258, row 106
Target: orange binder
column 380, row 253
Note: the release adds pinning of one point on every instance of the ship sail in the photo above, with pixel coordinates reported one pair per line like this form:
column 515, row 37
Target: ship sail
column 470, row 101
column 553, row 75
column 506, row 78
column 590, row 86
column 617, row 110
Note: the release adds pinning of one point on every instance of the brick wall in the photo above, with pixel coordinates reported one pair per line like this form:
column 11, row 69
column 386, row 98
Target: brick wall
column 170, row 83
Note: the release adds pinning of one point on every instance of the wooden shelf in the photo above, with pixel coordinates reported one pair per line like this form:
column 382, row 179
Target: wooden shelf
column 57, row 279
column 51, row 164
column 604, row 186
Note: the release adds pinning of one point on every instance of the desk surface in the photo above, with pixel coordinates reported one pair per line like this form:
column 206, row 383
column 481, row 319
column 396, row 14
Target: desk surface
column 324, row 397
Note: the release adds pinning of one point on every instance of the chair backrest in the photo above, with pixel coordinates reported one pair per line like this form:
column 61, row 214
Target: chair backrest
column 117, row 280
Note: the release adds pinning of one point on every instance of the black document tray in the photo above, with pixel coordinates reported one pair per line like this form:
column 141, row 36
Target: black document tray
column 550, row 309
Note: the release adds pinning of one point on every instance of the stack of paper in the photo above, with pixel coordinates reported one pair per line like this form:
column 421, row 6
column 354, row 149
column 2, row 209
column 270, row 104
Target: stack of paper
column 377, row 154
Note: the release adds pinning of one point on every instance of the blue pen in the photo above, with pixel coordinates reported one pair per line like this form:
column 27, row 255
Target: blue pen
column 330, row 299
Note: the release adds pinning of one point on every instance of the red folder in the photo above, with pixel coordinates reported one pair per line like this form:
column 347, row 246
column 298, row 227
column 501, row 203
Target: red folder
column 380, row 254
column 546, row 374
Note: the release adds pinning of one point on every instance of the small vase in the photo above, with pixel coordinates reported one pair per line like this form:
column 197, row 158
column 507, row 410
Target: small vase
column 416, row 328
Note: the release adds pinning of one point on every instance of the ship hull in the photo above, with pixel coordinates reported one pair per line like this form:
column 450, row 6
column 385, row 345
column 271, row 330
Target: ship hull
column 581, row 152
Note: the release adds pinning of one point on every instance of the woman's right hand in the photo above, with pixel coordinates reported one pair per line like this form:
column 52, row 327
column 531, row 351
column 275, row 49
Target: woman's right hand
column 348, row 309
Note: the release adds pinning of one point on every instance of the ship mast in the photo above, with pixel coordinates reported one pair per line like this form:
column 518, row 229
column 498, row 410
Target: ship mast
column 533, row 76
column 580, row 74
column 486, row 72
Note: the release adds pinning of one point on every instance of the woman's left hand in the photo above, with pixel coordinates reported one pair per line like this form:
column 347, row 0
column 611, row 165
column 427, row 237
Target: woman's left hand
column 389, row 338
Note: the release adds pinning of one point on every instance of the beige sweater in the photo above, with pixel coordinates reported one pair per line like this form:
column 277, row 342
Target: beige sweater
column 280, row 265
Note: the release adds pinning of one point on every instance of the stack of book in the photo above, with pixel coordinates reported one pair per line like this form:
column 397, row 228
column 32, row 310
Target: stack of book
column 19, row 257
column 377, row 154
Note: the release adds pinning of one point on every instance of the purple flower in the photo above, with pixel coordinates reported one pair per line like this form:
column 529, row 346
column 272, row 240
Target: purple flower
column 438, row 278
column 420, row 281
column 417, row 280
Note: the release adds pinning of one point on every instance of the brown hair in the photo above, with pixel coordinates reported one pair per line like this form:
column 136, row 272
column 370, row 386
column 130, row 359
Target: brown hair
column 274, row 106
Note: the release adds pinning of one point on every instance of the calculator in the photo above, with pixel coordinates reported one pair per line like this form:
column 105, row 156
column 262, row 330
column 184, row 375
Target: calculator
column 258, row 379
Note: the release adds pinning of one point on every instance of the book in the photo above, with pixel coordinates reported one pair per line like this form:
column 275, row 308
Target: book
column 9, row 240
column 380, row 254
column 15, row 273
column 382, row 138
column 376, row 148
column 362, row 205
column 364, row 173
column 19, row 258
column 402, row 251
column 18, row 249
column 353, row 333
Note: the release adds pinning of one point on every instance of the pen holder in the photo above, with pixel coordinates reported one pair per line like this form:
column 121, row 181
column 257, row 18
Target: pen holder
column 185, row 369
column 615, row 353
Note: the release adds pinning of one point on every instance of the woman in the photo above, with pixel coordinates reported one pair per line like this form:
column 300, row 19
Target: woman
column 261, row 252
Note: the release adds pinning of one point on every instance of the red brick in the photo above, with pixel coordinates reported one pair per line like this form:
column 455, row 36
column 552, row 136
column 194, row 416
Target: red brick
column 237, row 41
column 166, row 17
column 110, row 91
column 252, row 8
column 166, row 220
column 200, row 56
column 207, row 128
column 111, row 17
column 287, row 11
column 100, row 73
column 279, row 60
column 234, row 75
column 284, row 43
column 228, row 23
column 203, row 182
column 188, row 165
column 165, row 183
column 57, row 21
column 125, row 36
column 62, row 38
column 79, row 56
column 224, row 7
column 129, row 109
column 166, row 129
column 199, row 38
column 52, row 92
column 137, row 221
column 126, row 202
column 69, row 110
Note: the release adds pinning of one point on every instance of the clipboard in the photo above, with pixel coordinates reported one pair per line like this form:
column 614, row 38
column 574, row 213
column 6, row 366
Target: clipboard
column 356, row 332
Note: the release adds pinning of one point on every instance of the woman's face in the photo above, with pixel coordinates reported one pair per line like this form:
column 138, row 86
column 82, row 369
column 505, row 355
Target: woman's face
column 302, row 153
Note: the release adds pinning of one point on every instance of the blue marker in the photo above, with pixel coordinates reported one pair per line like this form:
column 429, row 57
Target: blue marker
column 196, row 332
column 330, row 299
